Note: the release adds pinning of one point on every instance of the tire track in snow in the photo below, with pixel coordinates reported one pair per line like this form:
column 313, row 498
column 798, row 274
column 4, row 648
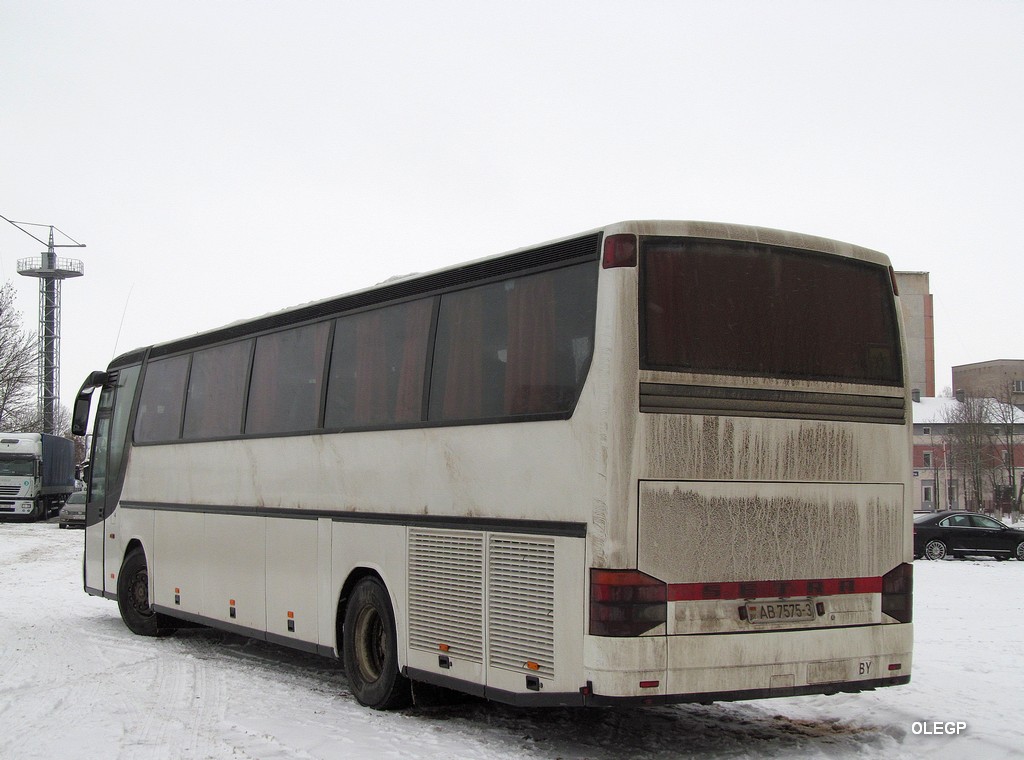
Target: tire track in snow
column 181, row 717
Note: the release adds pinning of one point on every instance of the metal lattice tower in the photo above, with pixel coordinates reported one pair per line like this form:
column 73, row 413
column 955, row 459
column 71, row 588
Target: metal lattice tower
column 50, row 270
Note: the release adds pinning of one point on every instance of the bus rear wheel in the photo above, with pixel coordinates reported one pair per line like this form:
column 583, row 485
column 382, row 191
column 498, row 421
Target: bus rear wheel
column 133, row 597
column 370, row 648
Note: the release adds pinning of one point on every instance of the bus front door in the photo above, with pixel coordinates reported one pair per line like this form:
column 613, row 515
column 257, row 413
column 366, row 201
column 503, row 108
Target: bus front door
column 95, row 505
column 110, row 446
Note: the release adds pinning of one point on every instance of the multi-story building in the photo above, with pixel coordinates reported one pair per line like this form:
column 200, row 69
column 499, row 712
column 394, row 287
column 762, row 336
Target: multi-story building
column 1000, row 378
column 960, row 463
column 919, row 326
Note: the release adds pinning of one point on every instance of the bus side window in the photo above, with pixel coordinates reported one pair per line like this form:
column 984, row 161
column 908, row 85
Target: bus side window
column 287, row 372
column 514, row 348
column 163, row 396
column 377, row 366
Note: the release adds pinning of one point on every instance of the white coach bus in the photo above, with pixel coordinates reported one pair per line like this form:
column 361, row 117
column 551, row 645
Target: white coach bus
column 656, row 462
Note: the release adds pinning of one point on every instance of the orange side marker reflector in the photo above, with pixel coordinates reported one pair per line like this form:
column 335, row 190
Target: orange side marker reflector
column 532, row 665
column 443, row 647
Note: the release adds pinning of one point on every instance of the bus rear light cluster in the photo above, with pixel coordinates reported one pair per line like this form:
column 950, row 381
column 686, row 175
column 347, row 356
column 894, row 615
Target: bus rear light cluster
column 619, row 251
column 898, row 593
column 625, row 602
column 895, row 285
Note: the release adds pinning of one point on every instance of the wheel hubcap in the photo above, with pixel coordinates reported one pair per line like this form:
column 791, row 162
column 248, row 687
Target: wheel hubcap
column 371, row 644
column 138, row 592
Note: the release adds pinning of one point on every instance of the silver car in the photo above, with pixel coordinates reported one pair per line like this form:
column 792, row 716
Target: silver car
column 72, row 514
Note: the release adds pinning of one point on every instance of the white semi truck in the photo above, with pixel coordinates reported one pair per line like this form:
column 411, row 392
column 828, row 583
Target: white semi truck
column 37, row 474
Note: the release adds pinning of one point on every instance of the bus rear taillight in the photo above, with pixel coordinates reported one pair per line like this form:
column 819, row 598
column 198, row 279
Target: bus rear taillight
column 625, row 602
column 619, row 251
column 898, row 592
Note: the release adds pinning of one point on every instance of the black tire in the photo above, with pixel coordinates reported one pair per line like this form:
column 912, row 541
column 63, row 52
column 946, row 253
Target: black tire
column 1019, row 551
column 370, row 648
column 133, row 597
column 935, row 549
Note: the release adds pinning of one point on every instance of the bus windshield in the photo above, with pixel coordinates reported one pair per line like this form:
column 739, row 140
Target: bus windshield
column 738, row 308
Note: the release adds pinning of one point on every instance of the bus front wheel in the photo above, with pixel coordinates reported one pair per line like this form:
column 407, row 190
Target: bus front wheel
column 370, row 648
column 133, row 597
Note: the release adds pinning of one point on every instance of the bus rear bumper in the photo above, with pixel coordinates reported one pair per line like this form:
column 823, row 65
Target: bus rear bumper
column 720, row 667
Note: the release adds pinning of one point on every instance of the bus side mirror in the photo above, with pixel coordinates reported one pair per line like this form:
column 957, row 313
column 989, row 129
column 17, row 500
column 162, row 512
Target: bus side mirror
column 80, row 414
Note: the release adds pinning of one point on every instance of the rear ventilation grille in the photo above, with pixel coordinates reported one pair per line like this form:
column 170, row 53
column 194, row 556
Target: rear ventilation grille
column 446, row 592
column 520, row 610
column 665, row 398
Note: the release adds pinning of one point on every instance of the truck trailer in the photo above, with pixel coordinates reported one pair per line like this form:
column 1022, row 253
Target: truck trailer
column 37, row 474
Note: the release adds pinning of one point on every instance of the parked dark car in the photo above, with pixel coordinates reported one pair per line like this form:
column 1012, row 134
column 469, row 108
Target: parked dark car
column 956, row 534
column 72, row 514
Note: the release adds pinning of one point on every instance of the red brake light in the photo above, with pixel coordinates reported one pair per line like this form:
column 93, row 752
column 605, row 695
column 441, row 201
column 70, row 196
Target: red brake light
column 625, row 602
column 619, row 251
column 898, row 593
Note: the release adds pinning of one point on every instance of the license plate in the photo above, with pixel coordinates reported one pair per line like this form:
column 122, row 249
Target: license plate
column 780, row 611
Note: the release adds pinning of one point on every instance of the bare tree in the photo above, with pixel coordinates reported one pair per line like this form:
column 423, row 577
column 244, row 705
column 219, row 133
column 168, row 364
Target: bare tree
column 1007, row 417
column 18, row 362
column 972, row 445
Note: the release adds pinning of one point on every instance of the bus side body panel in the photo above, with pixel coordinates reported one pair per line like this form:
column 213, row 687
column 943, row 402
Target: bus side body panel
column 177, row 560
column 605, row 425
column 364, row 548
column 121, row 528
column 292, row 590
column 236, row 564
column 521, row 582
column 518, row 471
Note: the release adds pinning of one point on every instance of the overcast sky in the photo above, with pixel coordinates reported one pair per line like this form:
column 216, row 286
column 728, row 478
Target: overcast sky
column 226, row 159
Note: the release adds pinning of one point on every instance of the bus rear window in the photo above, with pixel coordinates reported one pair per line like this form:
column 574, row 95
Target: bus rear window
column 728, row 307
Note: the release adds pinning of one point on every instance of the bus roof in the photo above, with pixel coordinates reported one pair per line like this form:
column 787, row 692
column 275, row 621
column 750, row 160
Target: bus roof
column 560, row 251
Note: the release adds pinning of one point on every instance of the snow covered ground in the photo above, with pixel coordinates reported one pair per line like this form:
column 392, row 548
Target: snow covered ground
column 74, row 683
